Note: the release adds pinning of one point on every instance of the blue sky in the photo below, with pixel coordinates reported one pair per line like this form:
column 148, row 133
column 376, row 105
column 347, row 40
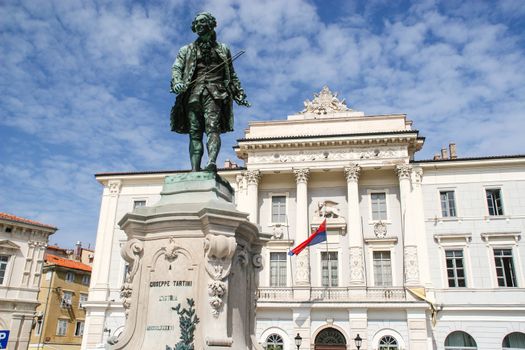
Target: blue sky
column 84, row 84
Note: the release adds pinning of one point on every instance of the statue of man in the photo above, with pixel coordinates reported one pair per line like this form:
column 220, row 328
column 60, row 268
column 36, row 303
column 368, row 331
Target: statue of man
column 206, row 84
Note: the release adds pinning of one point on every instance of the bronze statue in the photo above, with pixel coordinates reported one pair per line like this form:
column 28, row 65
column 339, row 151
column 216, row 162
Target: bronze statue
column 206, row 84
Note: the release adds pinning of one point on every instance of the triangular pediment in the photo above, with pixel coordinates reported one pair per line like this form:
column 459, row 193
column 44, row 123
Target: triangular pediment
column 7, row 244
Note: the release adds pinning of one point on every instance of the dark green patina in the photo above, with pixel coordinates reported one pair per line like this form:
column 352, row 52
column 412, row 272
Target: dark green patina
column 206, row 84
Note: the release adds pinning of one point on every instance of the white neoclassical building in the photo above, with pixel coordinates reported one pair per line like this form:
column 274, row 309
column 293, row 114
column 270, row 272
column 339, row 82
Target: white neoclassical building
column 23, row 243
column 421, row 254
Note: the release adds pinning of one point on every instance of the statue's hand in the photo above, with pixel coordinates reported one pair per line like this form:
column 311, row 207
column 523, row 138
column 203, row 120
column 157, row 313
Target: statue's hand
column 242, row 101
column 178, row 88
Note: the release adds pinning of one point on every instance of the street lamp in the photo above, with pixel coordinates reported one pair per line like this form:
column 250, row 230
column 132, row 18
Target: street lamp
column 298, row 341
column 358, row 342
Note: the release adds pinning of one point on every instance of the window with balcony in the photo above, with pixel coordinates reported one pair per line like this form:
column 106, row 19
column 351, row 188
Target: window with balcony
column 79, row 328
column 65, row 302
column 382, row 268
column 494, row 201
column 277, row 269
column 378, row 204
column 279, row 209
column 505, row 271
column 455, row 268
column 448, row 204
column 61, row 327
column 70, row 277
column 329, row 269
column 4, row 259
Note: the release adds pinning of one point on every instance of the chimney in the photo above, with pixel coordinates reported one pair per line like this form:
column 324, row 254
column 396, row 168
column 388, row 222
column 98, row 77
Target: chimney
column 444, row 153
column 453, row 153
column 78, row 251
column 437, row 156
column 227, row 164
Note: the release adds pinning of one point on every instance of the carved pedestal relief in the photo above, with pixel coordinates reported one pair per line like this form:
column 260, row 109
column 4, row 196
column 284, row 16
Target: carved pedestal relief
column 411, row 265
column 356, row 265
column 131, row 253
column 219, row 251
column 302, row 268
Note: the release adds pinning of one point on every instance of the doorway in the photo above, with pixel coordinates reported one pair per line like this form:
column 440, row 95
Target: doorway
column 330, row 339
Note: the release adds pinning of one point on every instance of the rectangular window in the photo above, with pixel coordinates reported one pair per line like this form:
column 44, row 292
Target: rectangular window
column 455, row 268
column 278, row 269
column 138, row 204
column 86, row 279
column 448, row 204
column 329, row 274
column 4, row 259
column 79, row 328
column 378, row 206
column 382, row 269
column 67, row 297
column 38, row 327
column 279, row 209
column 494, row 202
column 505, row 268
column 61, row 327
column 70, row 277
column 82, row 299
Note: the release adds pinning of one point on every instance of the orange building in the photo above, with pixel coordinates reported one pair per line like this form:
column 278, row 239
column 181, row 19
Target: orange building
column 61, row 316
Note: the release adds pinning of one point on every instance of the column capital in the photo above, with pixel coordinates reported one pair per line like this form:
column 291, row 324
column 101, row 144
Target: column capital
column 114, row 187
column 417, row 173
column 403, row 171
column 301, row 175
column 352, row 172
column 253, row 176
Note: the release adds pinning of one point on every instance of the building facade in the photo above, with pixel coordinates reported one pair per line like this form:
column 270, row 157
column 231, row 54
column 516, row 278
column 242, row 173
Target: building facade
column 419, row 254
column 22, row 246
column 61, row 313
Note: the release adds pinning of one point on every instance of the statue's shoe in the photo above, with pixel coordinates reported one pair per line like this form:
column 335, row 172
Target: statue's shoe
column 212, row 167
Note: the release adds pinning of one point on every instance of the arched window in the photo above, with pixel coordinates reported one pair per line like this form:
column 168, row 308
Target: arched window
column 330, row 336
column 514, row 340
column 274, row 342
column 388, row 343
column 459, row 340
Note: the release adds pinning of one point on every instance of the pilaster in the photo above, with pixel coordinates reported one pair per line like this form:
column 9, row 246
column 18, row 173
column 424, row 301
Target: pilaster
column 302, row 274
column 253, row 177
column 355, row 235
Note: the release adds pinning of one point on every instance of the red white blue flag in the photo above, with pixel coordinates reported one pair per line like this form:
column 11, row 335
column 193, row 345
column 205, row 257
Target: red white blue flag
column 317, row 237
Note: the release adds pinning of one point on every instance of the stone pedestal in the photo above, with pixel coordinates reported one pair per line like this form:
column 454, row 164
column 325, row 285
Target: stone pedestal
column 191, row 278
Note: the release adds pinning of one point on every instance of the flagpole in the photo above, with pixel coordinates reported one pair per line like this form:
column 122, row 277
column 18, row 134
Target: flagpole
column 328, row 267
column 287, row 256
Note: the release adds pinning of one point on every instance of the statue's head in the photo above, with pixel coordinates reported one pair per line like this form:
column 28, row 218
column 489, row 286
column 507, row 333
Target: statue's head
column 203, row 23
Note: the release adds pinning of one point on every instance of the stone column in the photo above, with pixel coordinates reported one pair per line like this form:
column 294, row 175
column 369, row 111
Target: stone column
column 302, row 275
column 419, row 226
column 253, row 177
column 99, row 289
column 355, row 234
column 404, row 172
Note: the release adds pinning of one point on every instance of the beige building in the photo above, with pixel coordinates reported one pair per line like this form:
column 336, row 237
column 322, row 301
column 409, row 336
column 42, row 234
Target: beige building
column 22, row 246
column 61, row 315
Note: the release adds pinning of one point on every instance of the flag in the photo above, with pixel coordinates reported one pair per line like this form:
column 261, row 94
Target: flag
column 317, row 237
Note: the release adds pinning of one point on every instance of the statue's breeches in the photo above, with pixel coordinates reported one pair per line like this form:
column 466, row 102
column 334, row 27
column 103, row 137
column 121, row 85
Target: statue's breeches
column 204, row 113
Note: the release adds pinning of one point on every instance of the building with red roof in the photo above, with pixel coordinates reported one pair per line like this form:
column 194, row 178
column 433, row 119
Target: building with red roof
column 22, row 248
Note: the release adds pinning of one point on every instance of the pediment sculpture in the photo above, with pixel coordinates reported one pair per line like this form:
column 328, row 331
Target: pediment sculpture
column 325, row 102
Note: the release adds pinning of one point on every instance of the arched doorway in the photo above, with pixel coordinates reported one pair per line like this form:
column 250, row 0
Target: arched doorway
column 330, row 339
